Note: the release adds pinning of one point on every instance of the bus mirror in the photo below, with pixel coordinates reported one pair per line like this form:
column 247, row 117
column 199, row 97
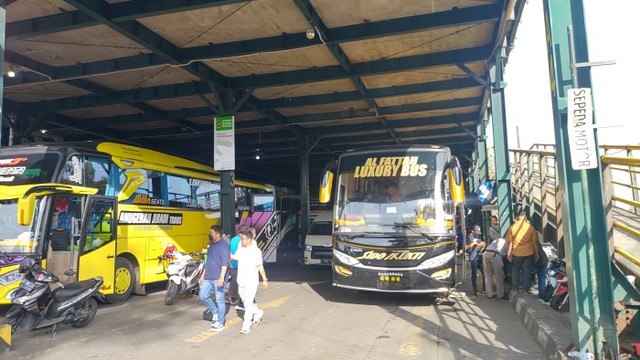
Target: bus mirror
column 325, row 187
column 326, row 182
column 131, row 184
column 456, row 180
column 26, row 207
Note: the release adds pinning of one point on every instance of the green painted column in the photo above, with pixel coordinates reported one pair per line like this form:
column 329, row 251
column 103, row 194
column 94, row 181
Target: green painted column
column 501, row 145
column 587, row 253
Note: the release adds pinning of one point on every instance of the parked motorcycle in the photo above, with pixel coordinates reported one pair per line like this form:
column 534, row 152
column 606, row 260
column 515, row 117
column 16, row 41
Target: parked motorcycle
column 35, row 306
column 559, row 297
column 183, row 272
column 555, row 267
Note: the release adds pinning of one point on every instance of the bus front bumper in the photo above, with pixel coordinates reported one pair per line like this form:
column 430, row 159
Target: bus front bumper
column 438, row 280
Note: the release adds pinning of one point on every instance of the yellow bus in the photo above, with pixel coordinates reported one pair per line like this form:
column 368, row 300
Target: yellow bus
column 394, row 218
column 109, row 209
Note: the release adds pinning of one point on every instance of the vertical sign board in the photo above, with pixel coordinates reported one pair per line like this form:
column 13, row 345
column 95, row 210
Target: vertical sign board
column 582, row 143
column 224, row 152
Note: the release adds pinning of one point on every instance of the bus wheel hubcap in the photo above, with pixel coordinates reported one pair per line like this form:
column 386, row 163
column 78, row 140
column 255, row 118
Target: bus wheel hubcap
column 123, row 280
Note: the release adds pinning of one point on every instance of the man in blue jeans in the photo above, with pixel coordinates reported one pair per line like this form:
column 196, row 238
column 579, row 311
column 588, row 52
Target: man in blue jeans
column 474, row 249
column 213, row 278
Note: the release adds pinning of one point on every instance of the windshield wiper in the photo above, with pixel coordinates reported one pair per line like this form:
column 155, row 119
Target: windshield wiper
column 414, row 228
column 360, row 234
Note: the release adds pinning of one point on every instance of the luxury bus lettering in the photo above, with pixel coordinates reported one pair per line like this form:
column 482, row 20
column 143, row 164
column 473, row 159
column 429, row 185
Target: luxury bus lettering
column 146, row 200
column 160, row 219
column 175, row 220
column 373, row 255
column 14, row 170
column 135, row 218
column 414, row 170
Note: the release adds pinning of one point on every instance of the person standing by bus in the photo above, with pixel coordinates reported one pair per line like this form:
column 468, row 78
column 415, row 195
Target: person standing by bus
column 494, row 230
column 249, row 259
column 474, row 249
column 234, row 243
column 213, row 278
column 522, row 251
column 493, row 267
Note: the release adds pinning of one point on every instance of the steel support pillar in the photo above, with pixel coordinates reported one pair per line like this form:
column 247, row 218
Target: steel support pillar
column 3, row 25
column 587, row 252
column 227, row 189
column 501, row 145
column 304, row 184
column 227, row 202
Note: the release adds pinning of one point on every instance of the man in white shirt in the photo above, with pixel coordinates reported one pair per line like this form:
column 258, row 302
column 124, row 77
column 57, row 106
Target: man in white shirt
column 249, row 259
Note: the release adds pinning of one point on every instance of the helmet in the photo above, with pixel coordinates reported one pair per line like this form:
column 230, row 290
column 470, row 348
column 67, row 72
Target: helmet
column 26, row 265
column 477, row 229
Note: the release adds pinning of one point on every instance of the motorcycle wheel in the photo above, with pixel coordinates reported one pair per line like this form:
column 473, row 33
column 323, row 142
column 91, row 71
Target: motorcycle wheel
column 557, row 301
column 172, row 291
column 86, row 313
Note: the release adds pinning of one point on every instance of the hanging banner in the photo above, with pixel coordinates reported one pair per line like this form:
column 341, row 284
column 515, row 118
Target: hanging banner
column 224, row 152
column 582, row 141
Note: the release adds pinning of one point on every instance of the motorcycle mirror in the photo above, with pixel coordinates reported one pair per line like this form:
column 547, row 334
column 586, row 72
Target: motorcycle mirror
column 69, row 272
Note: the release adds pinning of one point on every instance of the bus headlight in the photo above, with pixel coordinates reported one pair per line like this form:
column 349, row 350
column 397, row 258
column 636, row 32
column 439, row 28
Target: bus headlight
column 10, row 277
column 345, row 259
column 438, row 261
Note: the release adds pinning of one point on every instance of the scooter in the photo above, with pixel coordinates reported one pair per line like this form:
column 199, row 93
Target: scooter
column 559, row 297
column 183, row 272
column 555, row 267
column 35, row 306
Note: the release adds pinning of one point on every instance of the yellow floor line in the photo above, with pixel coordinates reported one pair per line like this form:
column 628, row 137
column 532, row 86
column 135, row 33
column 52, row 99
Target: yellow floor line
column 412, row 346
column 207, row 334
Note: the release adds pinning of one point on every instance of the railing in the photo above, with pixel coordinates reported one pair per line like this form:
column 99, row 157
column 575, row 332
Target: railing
column 534, row 183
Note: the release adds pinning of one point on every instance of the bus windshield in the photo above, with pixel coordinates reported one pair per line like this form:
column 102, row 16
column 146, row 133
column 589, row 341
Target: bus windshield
column 393, row 192
column 15, row 238
column 33, row 168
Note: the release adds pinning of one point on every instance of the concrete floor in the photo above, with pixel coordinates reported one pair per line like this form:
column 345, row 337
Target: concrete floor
column 305, row 317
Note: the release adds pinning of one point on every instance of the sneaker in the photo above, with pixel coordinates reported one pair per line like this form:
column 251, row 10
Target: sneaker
column 217, row 327
column 214, row 318
column 240, row 307
column 257, row 317
column 245, row 330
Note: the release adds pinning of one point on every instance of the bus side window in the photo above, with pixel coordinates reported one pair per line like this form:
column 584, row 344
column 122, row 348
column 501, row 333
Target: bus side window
column 243, row 200
column 179, row 192
column 72, row 171
column 96, row 171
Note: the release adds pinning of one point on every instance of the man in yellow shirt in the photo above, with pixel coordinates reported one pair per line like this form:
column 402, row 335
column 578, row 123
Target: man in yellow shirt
column 522, row 251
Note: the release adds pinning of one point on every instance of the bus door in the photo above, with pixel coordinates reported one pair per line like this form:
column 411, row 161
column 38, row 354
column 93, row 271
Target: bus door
column 97, row 246
column 61, row 254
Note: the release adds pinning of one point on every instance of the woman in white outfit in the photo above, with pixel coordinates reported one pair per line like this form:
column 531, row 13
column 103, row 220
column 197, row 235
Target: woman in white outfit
column 249, row 259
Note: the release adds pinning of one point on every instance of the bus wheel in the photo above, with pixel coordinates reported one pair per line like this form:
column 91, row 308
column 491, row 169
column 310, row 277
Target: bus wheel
column 124, row 281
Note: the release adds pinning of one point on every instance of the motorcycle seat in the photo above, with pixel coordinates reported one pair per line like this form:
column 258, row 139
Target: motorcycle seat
column 74, row 289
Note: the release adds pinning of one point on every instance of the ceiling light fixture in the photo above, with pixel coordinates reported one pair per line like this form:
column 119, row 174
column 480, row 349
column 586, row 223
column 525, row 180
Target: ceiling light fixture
column 311, row 33
column 11, row 73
